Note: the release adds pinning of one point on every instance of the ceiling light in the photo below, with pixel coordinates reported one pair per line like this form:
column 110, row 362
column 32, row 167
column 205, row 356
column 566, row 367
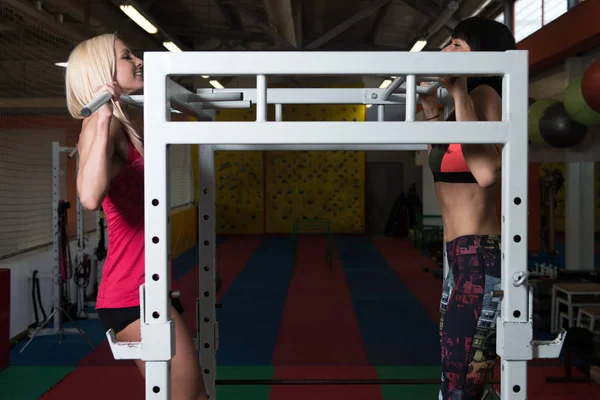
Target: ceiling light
column 385, row 84
column 139, row 18
column 216, row 84
column 419, row 45
column 61, row 64
column 171, row 46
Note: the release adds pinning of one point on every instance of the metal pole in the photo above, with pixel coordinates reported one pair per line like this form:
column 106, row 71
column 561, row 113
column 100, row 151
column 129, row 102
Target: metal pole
column 509, row 16
column 261, row 98
column 393, row 86
column 411, row 98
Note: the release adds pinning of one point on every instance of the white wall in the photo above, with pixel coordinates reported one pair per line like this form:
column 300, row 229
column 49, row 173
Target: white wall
column 21, row 271
column 22, row 266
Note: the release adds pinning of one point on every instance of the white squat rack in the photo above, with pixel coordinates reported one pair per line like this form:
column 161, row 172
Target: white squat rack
column 58, row 313
column 515, row 344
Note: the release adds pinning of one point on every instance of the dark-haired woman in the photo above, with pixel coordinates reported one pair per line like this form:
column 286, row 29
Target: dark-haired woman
column 466, row 178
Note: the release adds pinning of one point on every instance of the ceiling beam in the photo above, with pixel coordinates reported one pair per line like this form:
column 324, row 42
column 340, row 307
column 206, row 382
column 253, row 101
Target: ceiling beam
column 298, row 13
column 280, row 15
column 430, row 10
column 218, row 33
column 378, row 25
column 337, row 30
column 48, row 21
column 231, row 15
column 279, row 40
column 83, row 14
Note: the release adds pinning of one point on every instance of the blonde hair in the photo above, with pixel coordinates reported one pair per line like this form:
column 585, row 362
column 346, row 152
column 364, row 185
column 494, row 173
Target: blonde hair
column 91, row 64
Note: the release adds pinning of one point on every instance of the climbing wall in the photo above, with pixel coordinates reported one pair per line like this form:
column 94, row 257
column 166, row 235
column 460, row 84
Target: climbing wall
column 316, row 184
column 296, row 185
column 239, row 184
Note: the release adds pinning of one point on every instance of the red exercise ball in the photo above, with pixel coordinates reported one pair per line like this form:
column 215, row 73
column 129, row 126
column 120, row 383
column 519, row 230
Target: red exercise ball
column 590, row 86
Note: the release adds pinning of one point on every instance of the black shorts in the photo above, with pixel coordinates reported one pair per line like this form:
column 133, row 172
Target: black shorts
column 118, row 319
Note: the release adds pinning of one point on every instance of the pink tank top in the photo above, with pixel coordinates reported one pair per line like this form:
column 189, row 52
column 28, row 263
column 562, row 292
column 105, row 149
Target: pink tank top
column 123, row 270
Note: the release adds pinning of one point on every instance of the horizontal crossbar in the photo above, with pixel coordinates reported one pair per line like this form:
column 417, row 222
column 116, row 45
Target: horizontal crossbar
column 254, row 382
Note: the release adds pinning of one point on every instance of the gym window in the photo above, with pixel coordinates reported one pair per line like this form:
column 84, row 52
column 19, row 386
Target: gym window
column 532, row 15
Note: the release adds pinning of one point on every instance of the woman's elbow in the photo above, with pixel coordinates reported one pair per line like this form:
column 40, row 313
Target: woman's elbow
column 88, row 199
column 487, row 177
column 90, row 203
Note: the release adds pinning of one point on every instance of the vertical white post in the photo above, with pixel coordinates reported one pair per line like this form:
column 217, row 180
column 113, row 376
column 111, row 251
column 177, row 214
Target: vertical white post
column 207, row 316
column 579, row 201
column 80, row 246
column 514, row 334
column 158, row 333
column 58, row 284
column 411, row 98
column 579, row 205
column 446, row 268
column 278, row 112
column 261, row 98
column 381, row 112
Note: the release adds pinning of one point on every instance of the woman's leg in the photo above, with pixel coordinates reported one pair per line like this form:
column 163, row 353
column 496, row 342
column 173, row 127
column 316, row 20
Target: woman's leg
column 468, row 320
column 187, row 382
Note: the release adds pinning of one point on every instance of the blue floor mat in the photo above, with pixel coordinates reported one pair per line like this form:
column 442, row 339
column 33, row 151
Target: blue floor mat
column 395, row 327
column 253, row 306
column 47, row 351
column 189, row 260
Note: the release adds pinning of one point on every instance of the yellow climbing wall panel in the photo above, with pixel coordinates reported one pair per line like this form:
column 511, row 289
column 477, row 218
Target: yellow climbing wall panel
column 239, row 185
column 296, row 184
column 315, row 185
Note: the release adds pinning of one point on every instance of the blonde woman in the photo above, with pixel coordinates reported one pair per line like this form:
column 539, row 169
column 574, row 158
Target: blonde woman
column 111, row 175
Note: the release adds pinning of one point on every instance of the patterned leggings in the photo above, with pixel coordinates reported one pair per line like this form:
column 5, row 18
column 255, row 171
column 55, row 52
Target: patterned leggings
column 468, row 316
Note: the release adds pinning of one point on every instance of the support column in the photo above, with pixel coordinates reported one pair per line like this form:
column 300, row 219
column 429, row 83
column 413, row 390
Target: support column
column 206, row 321
column 509, row 15
column 579, row 202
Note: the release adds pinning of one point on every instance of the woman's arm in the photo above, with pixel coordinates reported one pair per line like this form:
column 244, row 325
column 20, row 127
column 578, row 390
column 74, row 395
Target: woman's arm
column 484, row 160
column 96, row 148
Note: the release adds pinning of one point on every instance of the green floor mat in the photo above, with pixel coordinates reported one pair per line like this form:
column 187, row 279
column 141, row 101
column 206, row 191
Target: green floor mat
column 227, row 392
column 29, row 383
column 410, row 391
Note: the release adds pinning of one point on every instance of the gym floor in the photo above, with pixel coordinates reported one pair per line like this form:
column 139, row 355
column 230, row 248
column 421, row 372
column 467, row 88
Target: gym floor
column 375, row 317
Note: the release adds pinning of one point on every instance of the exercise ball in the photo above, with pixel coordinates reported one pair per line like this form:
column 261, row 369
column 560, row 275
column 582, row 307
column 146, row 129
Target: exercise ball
column 590, row 86
column 535, row 114
column 577, row 107
column 558, row 129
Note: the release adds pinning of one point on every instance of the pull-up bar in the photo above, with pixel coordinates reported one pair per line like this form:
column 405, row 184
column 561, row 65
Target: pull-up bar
column 209, row 99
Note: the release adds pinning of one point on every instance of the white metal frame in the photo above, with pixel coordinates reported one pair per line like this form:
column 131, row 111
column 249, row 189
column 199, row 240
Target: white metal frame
column 515, row 344
column 57, row 313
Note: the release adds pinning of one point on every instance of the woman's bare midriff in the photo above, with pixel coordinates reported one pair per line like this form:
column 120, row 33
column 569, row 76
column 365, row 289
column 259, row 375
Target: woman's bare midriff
column 468, row 209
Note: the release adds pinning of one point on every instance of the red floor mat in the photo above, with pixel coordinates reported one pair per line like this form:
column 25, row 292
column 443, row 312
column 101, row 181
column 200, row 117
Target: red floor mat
column 351, row 392
column 99, row 383
column 408, row 263
column 232, row 256
column 319, row 335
